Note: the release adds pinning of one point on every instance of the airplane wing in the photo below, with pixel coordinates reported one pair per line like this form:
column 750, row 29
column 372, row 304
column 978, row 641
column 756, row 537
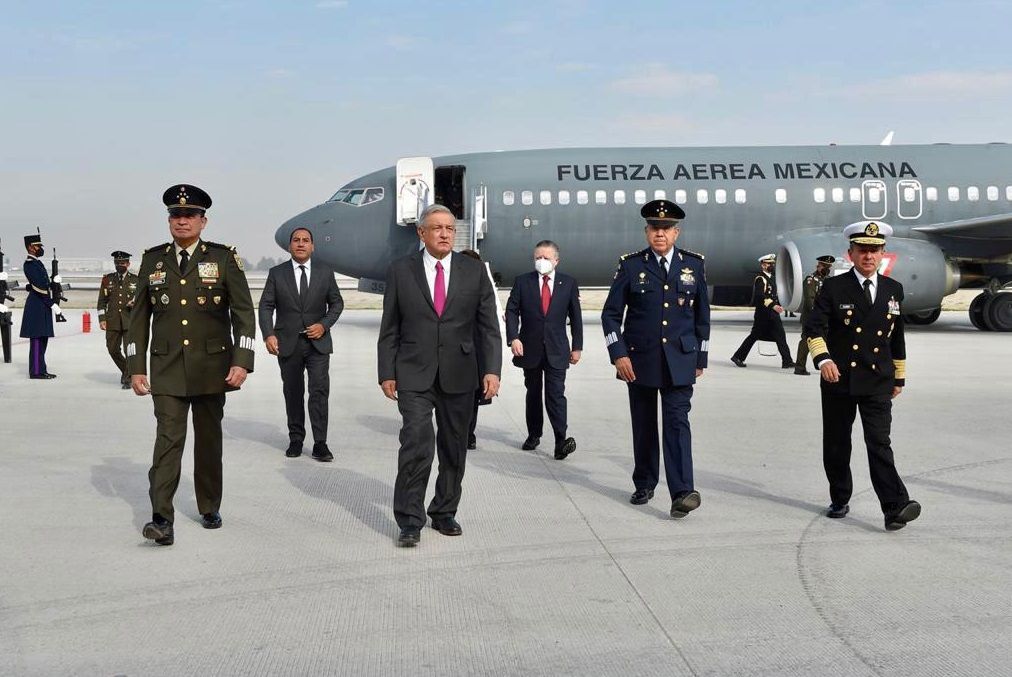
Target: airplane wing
column 996, row 226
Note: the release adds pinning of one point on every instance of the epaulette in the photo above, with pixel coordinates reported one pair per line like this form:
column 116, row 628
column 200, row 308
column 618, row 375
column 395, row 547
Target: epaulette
column 161, row 246
column 218, row 245
column 625, row 256
column 690, row 253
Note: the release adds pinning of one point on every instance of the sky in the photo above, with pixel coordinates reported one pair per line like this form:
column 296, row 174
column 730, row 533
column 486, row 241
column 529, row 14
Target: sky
column 272, row 106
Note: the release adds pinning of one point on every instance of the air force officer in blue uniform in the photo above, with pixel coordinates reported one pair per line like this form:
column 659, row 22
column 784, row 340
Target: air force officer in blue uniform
column 661, row 292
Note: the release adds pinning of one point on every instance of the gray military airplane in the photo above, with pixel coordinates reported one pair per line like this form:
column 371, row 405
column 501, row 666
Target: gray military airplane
column 950, row 207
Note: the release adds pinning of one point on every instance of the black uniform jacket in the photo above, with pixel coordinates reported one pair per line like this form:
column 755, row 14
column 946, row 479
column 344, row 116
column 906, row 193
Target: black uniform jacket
column 866, row 343
column 766, row 323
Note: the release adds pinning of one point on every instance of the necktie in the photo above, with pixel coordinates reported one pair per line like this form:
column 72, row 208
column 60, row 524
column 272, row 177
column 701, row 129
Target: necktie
column 664, row 265
column 546, row 296
column 184, row 258
column 303, row 285
column 867, row 291
column 439, row 293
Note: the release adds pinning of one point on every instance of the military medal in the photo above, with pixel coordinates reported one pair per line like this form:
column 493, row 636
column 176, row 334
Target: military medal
column 165, row 299
column 153, row 300
column 681, row 301
column 201, row 300
column 158, row 266
column 208, row 271
column 894, row 306
column 156, row 278
column 217, row 300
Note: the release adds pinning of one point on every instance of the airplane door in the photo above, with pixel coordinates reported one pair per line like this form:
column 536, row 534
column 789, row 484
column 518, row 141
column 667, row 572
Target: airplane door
column 874, row 199
column 479, row 215
column 415, row 181
column 908, row 199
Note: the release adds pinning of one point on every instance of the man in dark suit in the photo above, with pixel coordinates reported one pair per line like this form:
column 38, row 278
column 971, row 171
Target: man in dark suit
column 536, row 313
column 662, row 349
column 37, row 317
column 855, row 335
column 766, row 322
column 305, row 297
column 433, row 301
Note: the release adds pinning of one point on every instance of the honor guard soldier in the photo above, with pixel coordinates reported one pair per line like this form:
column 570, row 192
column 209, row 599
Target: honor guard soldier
column 812, row 285
column 37, row 317
column 766, row 322
column 662, row 349
column 115, row 299
column 855, row 335
column 193, row 308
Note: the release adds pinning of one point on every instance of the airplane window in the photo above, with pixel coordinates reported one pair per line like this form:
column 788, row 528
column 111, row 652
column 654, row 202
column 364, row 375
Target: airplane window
column 819, row 194
column 563, row 197
column 874, row 195
column 702, row 196
column 953, row 194
column 545, row 197
column 1008, row 193
column 838, row 195
column 640, row 197
column 931, row 193
column 740, row 196
column 973, row 193
column 992, row 193
column 620, row 197
column 527, row 197
column 660, row 195
column 681, row 197
column 339, row 195
column 601, row 197
column 372, row 195
column 781, row 195
column 720, row 196
column 581, row 197
column 909, row 194
column 508, row 197
column 355, row 197
column 855, row 194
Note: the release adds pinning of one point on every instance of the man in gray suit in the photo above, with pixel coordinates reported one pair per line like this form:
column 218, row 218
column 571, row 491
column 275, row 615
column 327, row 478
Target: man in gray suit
column 305, row 297
column 437, row 304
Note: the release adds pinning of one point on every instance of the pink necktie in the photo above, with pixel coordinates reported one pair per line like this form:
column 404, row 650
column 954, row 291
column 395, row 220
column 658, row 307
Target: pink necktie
column 439, row 295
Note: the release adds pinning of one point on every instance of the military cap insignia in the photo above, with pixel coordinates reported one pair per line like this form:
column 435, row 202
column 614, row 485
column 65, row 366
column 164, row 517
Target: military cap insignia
column 871, row 229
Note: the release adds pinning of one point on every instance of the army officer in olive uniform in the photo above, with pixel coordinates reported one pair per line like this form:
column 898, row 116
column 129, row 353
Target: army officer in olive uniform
column 810, row 289
column 193, row 297
column 855, row 335
column 115, row 299
column 662, row 349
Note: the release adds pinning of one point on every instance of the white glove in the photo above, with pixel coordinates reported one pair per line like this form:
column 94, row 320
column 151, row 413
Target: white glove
column 58, row 279
column 56, row 307
column 3, row 309
column 3, row 276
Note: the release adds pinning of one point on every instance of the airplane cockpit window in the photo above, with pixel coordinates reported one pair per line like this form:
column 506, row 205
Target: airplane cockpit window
column 702, row 196
column 545, row 197
column 992, row 193
column 640, row 197
column 931, row 194
column 953, row 193
column 681, row 196
column 620, row 197
column 339, row 195
column 780, row 195
column 973, row 193
column 720, row 196
column 372, row 195
column 819, row 194
column 838, row 195
column 563, row 197
column 855, row 195
column 527, row 197
column 660, row 195
column 358, row 197
column 740, row 196
column 354, row 197
column 508, row 197
column 601, row 197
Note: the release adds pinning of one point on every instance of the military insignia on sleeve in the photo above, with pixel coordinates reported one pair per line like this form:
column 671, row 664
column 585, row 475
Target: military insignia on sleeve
column 238, row 260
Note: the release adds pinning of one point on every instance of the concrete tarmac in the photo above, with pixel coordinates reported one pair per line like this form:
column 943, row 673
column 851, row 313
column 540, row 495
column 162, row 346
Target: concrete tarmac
column 556, row 572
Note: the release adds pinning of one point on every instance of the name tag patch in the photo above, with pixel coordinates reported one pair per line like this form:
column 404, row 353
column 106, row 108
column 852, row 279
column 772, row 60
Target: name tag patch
column 846, row 306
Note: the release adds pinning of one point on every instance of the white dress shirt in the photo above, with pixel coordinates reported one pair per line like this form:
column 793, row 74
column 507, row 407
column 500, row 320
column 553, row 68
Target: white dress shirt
column 667, row 257
column 429, row 263
column 874, row 282
column 551, row 282
column 298, row 273
column 189, row 250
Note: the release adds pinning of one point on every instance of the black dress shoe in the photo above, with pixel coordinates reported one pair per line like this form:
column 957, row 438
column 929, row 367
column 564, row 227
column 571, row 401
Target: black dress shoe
column 684, row 503
column 801, row 372
column 160, row 531
column 898, row 519
column 564, row 448
column 322, row 453
column 531, row 443
column 124, row 386
column 738, row 362
column 409, row 538
column 211, row 520
column 447, row 526
column 294, row 450
column 787, row 365
column 472, row 443
column 836, row 511
column 641, row 496
column 43, row 376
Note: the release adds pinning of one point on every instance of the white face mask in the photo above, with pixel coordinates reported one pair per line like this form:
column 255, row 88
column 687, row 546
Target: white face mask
column 543, row 266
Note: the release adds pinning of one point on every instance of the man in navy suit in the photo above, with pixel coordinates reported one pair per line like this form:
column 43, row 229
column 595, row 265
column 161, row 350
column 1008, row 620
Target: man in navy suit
column 661, row 293
column 37, row 318
column 536, row 313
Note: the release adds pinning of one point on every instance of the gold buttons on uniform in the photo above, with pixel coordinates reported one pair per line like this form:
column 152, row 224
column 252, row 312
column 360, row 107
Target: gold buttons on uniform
column 182, row 282
column 183, row 302
column 879, row 332
column 186, row 342
column 874, row 350
column 853, row 364
column 186, row 322
column 666, row 304
column 664, row 340
column 665, row 287
column 855, row 345
column 858, row 330
column 664, row 322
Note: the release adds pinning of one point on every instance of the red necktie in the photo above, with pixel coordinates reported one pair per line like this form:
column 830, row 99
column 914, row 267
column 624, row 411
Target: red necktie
column 439, row 295
column 546, row 296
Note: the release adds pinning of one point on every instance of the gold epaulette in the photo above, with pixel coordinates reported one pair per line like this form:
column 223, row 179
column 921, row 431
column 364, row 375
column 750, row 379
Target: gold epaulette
column 691, row 253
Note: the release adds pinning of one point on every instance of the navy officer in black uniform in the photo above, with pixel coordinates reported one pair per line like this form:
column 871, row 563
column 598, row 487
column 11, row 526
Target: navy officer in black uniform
column 855, row 335
column 661, row 292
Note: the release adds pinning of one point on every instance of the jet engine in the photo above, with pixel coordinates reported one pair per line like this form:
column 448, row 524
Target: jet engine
column 919, row 266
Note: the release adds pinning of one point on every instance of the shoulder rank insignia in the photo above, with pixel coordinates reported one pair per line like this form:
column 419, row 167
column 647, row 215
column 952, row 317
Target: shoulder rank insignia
column 691, row 253
column 238, row 259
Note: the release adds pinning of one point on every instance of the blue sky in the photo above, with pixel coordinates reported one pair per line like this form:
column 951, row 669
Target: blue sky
column 270, row 106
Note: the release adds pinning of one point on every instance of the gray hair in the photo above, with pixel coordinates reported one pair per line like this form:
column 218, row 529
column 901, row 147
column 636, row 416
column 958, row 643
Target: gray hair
column 433, row 209
column 548, row 243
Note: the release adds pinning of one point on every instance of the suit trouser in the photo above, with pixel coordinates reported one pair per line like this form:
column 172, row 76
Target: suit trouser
column 780, row 338
column 675, row 405
column 170, row 438
column 306, row 359
column 419, row 441
column 838, row 413
column 37, row 355
column 554, row 381
column 802, row 357
column 115, row 343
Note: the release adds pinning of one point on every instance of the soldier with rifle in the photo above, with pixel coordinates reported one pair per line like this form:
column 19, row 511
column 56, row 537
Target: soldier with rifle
column 37, row 319
column 57, row 287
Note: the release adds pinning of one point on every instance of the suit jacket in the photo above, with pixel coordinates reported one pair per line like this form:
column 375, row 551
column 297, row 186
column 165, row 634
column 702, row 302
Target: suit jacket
column 198, row 324
column 416, row 346
column 866, row 342
column 37, row 317
column 283, row 314
column 667, row 319
column 544, row 334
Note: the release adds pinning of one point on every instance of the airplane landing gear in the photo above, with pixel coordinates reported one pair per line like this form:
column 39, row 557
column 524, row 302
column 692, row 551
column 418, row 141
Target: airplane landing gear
column 923, row 318
column 976, row 310
column 992, row 311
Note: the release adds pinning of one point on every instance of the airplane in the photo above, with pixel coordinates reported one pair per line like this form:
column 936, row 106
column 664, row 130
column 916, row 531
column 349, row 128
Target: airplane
column 950, row 207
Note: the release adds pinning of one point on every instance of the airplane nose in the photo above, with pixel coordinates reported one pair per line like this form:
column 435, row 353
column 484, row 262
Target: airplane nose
column 318, row 221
